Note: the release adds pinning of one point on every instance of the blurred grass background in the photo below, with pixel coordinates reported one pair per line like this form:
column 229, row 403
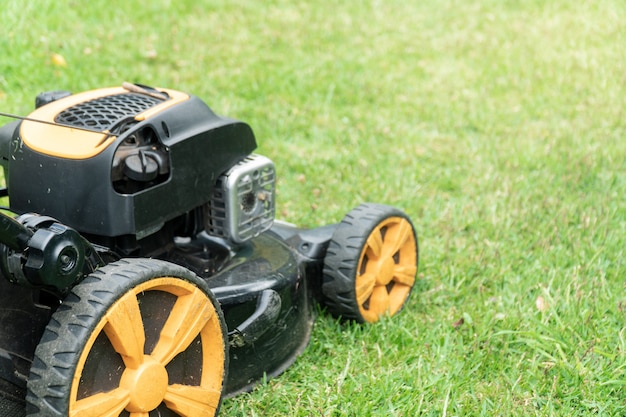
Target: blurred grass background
column 497, row 125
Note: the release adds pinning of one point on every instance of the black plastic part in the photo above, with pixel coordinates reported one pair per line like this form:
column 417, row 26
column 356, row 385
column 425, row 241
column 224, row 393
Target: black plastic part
column 267, row 311
column 311, row 243
column 80, row 193
column 49, row 96
column 141, row 167
column 56, row 257
column 250, row 279
column 38, row 252
column 111, row 113
column 7, row 133
column 13, row 234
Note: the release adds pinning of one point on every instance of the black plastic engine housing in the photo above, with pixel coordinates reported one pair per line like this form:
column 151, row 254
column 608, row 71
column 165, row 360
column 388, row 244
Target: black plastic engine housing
column 179, row 136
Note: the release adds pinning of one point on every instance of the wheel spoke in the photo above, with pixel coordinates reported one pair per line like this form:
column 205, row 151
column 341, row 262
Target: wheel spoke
column 124, row 328
column 375, row 243
column 379, row 301
column 139, row 414
column 188, row 317
column 191, row 401
column 402, row 232
column 364, row 287
column 405, row 274
column 397, row 297
column 104, row 404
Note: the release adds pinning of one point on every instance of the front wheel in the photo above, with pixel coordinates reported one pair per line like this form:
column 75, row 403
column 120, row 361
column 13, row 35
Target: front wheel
column 136, row 338
column 370, row 263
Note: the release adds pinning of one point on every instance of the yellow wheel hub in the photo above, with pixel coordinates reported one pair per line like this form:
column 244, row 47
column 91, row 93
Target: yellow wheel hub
column 146, row 385
column 386, row 269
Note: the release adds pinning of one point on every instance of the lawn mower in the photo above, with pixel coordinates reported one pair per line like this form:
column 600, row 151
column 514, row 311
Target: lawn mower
column 144, row 273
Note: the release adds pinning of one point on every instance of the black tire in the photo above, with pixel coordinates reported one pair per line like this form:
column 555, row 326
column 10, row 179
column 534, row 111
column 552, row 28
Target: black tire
column 370, row 264
column 138, row 337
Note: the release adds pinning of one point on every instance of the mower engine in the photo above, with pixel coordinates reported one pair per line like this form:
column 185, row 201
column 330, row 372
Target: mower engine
column 132, row 168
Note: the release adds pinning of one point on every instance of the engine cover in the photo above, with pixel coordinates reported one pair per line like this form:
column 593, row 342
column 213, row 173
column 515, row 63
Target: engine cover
column 114, row 162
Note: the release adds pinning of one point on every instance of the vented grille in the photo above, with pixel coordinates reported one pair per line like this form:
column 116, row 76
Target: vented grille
column 243, row 205
column 105, row 112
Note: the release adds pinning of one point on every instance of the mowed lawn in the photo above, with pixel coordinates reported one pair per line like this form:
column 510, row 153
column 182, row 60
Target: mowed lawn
column 497, row 125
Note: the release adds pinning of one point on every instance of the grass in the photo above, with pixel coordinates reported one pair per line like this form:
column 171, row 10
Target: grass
column 497, row 125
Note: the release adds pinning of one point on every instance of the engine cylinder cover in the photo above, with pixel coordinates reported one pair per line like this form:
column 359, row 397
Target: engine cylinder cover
column 243, row 203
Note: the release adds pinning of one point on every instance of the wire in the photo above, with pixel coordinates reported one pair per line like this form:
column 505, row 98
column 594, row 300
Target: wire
column 29, row 119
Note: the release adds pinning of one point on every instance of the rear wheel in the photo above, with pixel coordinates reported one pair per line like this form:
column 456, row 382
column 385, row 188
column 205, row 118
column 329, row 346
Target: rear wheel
column 370, row 263
column 137, row 338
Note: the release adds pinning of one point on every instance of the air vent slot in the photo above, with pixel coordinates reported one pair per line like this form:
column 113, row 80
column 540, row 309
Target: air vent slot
column 106, row 113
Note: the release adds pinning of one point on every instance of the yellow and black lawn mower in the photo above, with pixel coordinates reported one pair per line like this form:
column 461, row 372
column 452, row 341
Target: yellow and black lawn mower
column 144, row 273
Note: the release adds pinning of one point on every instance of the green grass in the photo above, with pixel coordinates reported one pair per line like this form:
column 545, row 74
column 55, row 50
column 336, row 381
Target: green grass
column 496, row 125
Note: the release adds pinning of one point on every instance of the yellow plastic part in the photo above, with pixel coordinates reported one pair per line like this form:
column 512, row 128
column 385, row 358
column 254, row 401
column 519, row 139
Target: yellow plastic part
column 144, row 384
column 66, row 142
column 386, row 269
